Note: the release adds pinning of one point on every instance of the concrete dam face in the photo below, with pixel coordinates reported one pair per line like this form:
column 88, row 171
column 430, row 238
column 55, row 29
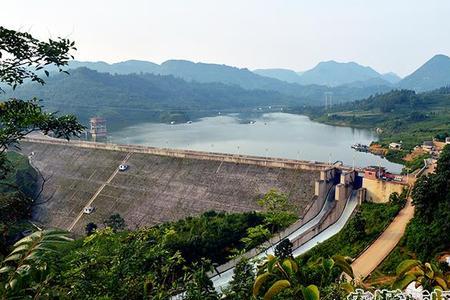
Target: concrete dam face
column 154, row 189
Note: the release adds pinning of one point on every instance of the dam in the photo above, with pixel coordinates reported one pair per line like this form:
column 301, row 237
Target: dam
column 160, row 184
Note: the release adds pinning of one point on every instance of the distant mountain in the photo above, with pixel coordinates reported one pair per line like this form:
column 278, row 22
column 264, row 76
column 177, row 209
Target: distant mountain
column 433, row 74
column 391, row 77
column 135, row 98
column 125, row 67
column 372, row 82
column 280, row 74
column 204, row 72
column 213, row 73
column 332, row 73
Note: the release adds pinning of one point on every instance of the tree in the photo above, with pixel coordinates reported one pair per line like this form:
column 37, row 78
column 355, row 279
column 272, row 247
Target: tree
column 285, row 278
column 197, row 283
column 115, row 222
column 241, row 285
column 397, row 199
column 255, row 236
column 357, row 227
column 90, row 228
column 26, row 271
column 21, row 58
column 21, row 53
column 427, row 233
column 279, row 211
column 284, row 249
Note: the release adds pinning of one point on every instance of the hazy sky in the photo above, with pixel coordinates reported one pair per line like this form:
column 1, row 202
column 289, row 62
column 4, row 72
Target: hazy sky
column 388, row 35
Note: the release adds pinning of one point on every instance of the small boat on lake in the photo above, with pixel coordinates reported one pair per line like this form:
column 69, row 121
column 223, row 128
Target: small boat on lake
column 360, row 147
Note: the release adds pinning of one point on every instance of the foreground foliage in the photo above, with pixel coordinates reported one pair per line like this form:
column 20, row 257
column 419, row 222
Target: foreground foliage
column 427, row 275
column 28, row 270
column 283, row 277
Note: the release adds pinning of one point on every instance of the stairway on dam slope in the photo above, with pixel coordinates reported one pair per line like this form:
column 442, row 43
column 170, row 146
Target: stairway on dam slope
column 155, row 188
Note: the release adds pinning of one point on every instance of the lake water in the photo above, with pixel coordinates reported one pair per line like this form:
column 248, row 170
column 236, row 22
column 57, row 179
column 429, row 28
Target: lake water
column 272, row 134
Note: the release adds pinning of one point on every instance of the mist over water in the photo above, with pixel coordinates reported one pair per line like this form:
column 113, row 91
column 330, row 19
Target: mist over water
column 280, row 135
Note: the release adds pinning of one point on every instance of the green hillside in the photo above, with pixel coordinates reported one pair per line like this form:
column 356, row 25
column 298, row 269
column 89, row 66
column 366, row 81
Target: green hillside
column 402, row 115
column 132, row 98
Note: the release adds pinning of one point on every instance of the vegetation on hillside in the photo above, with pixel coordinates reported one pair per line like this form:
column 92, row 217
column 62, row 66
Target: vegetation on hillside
column 363, row 228
column 427, row 235
column 402, row 115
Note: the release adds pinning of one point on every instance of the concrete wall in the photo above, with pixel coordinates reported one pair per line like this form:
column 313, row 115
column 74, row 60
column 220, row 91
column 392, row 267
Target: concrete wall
column 234, row 158
column 378, row 191
column 156, row 188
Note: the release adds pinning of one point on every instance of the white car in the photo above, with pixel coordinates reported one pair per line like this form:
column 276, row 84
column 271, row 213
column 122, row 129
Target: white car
column 88, row 209
column 123, row 168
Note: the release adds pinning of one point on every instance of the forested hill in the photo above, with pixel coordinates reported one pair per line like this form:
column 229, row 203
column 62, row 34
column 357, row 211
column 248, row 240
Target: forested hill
column 142, row 96
column 403, row 115
column 86, row 92
column 209, row 73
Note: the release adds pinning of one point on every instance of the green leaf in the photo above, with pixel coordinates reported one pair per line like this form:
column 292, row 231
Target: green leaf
column 21, row 248
column 287, row 265
column 402, row 282
column 259, row 281
column 406, row 265
column 13, row 257
column 348, row 287
column 6, row 269
column 311, row 292
column 343, row 263
column 276, row 288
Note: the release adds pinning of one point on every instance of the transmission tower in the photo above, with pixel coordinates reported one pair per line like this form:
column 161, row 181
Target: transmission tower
column 328, row 100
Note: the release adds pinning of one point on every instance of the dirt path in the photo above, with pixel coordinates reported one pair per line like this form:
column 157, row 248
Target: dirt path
column 380, row 249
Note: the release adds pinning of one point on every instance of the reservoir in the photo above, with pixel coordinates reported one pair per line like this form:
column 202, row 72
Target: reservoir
column 278, row 134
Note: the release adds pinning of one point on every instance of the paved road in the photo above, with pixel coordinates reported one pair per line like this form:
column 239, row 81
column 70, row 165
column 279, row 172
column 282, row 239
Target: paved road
column 382, row 247
column 91, row 200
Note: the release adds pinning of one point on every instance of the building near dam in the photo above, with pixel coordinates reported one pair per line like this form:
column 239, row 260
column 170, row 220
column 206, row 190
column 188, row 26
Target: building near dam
column 98, row 129
column 380, row 184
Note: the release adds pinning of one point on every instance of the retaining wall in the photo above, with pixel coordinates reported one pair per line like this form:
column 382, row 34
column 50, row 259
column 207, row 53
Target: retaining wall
column 155, row 188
